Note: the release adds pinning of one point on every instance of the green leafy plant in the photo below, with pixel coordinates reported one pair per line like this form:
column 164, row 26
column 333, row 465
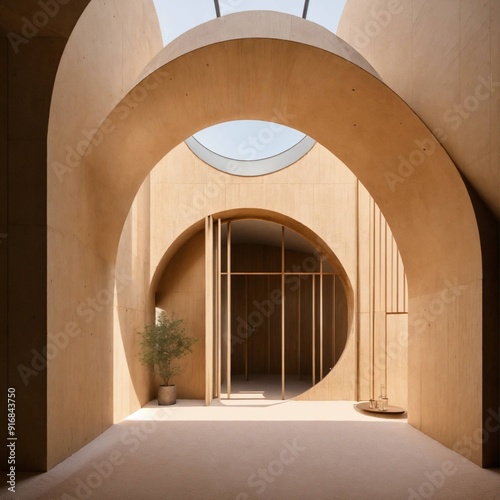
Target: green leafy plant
column 162, row 344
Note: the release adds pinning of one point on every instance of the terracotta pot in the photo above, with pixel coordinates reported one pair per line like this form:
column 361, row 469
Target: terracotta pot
column 167, row 395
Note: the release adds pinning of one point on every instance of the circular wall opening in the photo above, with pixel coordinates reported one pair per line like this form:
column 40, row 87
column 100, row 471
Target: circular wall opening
column 272, row 349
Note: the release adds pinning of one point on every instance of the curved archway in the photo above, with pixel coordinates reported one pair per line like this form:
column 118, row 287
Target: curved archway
column 289, row 71
column 251, row 213
column 281, row 327
column 333, row 100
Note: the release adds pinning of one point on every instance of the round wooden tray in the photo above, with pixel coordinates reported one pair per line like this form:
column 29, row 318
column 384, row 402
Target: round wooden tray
column 391, row 410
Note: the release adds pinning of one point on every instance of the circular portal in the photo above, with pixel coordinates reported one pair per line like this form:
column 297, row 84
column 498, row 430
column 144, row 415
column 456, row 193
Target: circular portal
column 281, row 305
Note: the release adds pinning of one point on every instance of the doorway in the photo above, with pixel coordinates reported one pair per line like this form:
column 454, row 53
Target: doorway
column 286, row 308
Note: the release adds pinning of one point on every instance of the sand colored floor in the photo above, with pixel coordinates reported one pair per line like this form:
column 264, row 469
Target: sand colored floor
column 258, row 448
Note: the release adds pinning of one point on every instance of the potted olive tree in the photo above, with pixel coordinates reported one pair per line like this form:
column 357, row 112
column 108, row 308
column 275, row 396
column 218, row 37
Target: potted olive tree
column 160, row 346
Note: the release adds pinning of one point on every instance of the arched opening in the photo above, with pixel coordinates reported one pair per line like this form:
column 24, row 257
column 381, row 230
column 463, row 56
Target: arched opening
column 287, row 309
column 284, row 301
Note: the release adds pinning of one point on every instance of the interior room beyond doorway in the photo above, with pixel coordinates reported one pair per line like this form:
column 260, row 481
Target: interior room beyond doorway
column 276, row 347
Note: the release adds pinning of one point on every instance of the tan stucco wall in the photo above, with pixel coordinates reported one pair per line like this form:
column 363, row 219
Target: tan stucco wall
column 108, row 49
column 131, row 311
column 181, row 293
column 28, row 70
column 443, row 59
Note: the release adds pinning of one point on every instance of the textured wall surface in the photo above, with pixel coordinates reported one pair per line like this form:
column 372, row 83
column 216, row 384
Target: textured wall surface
column 443, row 59
column 109, row 48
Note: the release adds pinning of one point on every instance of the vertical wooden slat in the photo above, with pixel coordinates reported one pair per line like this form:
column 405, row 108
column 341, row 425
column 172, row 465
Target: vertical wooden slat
column 406, row 295
column 298, row 341
column 379, row 260
column 388, row 265
column 283, row 342
column 228, row 340
column 372, row 296
column 321, row 318
column 394, row 276
column 401, row 285
column 209, row 310
column 313, row 329
column 357, row 301
column 382, row 330
column 397, row 281
column 334, row 320
column 219, row 306
column 385, row 305
column 269, row 329
column 247, row 323
column 370, row 333
column 215, row 306
column 404, row 292
column 282, row 312
column 385, row 352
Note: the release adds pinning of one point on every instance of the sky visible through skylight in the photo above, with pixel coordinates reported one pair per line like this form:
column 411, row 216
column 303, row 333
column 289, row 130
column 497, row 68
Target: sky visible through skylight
column 243, row 139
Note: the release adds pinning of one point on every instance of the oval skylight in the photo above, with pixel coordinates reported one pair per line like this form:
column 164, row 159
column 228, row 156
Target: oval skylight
column 245, row 147
column 248, row 140
column 249, row 147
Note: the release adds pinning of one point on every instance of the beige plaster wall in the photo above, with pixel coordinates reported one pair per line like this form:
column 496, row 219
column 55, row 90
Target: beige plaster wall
column 443, row 59
column 181, row 292
column 28, row 70
column 346, row 109
column 23, row 254
column 131, row 309
column 108, row 49
column 321, row 193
